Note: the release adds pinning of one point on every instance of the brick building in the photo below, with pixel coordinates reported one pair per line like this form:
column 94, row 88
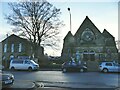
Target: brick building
column 15, row 47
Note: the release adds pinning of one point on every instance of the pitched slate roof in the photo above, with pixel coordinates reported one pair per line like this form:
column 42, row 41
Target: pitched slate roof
column 15, row 36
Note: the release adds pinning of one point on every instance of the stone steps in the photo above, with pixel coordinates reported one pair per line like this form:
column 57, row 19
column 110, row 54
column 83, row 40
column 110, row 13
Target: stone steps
column 92, row 65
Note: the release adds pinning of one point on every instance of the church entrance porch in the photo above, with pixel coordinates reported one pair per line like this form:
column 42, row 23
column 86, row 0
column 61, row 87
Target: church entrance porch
column 89, row 56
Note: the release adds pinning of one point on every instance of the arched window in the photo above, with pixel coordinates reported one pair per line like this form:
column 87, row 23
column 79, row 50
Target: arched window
column 12, row 47
column 5, row 48
column 20, row 47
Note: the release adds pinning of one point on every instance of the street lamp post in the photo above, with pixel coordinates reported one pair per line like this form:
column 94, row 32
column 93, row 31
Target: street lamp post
column 70, row 19
column 69, row 52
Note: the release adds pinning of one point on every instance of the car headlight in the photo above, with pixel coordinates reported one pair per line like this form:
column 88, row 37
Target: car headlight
column 35, row 65
column 12, row 76
column 8, row 78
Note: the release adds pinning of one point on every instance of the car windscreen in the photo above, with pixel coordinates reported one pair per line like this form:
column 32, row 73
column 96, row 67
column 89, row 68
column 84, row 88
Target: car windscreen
column 116, row 64
column 32, row 62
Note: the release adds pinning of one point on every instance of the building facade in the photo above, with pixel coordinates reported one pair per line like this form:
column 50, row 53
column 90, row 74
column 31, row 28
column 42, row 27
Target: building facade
column 17, row 47
column 89, row 44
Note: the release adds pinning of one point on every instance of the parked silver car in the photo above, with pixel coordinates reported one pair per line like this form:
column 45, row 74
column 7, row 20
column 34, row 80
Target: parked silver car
column 109, row 67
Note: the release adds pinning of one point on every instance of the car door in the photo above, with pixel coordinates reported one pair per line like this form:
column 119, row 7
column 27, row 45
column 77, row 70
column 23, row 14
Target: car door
column 110, row 66
column 26, row 64
column 17, row 64
column 21, row 64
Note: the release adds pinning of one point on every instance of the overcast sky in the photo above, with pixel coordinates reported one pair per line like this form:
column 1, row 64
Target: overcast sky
column 103, row 14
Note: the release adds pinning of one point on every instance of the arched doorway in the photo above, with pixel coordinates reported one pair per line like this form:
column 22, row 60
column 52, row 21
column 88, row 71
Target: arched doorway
column 89, row 56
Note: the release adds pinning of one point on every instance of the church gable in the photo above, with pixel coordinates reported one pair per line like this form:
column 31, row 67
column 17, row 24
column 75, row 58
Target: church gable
column 68, row 35
column 88, row 33
column 69, row 39
column 106, row 34
column 87, row 23
column 109, row 39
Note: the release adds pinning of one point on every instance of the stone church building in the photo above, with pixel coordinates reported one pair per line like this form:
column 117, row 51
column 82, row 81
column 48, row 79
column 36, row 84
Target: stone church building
column 89, row 44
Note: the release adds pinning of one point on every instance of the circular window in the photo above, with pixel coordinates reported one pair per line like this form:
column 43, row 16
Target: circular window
column 87, row 35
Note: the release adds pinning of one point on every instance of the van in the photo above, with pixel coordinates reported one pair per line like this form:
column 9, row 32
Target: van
column 26, row 64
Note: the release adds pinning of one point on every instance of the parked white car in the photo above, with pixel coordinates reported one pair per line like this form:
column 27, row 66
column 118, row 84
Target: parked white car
column 26, row 64
column 109, row 67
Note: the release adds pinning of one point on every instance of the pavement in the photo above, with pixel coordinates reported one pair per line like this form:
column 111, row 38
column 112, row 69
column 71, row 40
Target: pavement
column 21, row 85
column 30, row 85
column 71, row 86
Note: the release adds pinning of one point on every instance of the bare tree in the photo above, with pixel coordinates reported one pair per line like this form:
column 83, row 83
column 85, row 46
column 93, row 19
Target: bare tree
column 38, row 21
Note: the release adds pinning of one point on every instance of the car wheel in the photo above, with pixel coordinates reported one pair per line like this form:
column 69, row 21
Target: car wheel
column 64, row 70
column 30, row 69
column 81, row 70
column 105, row 70
column 12, row 68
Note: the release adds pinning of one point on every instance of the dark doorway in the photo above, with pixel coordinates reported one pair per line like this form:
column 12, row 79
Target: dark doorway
column 85, row 57
column 92, row 57
column 89, row 57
